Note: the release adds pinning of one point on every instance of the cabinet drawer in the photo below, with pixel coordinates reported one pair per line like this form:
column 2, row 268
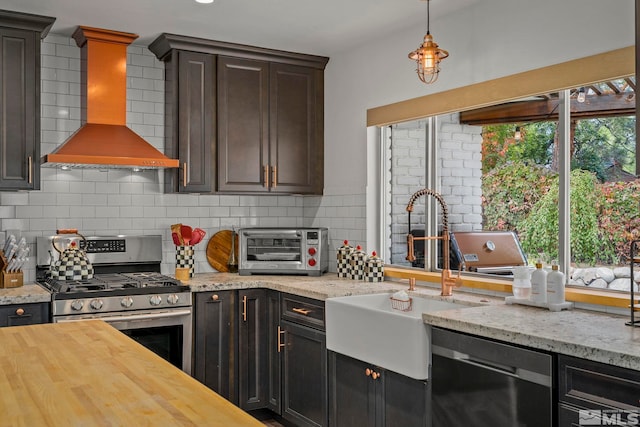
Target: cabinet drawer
column 593, row 385
column 305, row 311
column 24, row 314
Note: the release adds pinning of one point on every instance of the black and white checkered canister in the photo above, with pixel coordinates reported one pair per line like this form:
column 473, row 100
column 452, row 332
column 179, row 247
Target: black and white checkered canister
column 185, row 258
column 374, row 269
column 343, row 259
column 356, row 264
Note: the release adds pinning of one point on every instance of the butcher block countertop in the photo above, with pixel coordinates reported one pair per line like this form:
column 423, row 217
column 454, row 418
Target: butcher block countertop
column 90, row 374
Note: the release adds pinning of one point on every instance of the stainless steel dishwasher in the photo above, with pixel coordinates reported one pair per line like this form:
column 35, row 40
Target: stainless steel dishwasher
column 479, row 382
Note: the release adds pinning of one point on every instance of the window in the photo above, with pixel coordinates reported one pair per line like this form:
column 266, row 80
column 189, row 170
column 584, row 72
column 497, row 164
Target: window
column 493, row 179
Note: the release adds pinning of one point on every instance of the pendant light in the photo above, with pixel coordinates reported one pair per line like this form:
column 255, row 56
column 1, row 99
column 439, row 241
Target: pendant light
column 428, row 56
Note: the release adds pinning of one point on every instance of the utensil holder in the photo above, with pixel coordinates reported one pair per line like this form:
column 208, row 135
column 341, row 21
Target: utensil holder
column 9, row 280
column 185, row 258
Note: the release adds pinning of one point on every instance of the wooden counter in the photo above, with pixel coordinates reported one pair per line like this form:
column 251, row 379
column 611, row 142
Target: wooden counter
column 90, row 374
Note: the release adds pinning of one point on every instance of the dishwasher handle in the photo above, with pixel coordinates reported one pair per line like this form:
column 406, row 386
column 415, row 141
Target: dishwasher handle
column 511, row 371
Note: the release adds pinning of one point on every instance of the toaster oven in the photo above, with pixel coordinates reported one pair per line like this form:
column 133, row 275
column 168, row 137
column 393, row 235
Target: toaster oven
column 301, row 251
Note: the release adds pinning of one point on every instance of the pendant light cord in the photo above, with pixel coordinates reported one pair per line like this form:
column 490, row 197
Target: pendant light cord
column 428, row 17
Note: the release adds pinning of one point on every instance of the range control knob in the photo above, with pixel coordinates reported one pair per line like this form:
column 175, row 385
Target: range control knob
column 312, row 262
column 173, row 299
column 77, row 305
column 126, row 302
column 155, row 300
column 312, row 251
column 96, row 304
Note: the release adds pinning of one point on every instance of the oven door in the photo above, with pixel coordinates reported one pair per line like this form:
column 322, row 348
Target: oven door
column 165, row 332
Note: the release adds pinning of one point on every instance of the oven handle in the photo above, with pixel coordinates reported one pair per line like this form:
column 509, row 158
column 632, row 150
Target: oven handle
column 133, row 317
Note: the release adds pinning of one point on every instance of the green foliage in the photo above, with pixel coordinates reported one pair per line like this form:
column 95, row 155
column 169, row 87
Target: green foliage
column 510, row 191
column 539, row 231
column 619, row 222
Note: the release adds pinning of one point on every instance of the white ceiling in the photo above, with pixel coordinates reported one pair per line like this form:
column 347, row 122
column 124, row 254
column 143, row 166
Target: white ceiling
column 310, row 26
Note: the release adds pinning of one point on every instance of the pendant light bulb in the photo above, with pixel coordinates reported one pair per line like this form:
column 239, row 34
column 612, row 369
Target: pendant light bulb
column 582, row 95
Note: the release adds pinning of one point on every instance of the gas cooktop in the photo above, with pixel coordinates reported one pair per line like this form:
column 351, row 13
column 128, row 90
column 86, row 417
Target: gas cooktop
column 116, row 284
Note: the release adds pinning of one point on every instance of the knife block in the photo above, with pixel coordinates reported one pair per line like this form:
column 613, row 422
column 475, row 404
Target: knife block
column 9, row 280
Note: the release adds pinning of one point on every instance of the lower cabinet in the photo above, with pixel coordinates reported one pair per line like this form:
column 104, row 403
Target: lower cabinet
column 214, row 342
column 592, row 393
column 24, row 314
column 365, row 395
column 262, row 349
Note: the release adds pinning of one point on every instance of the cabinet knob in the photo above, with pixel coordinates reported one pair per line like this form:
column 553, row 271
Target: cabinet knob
column 20, row 311
column 215, row 297
column 368, row 372
column 375, row 375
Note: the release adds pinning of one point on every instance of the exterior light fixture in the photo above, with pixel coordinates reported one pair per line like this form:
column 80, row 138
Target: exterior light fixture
column 582, row 95
column 428, row 57
column 518, row 134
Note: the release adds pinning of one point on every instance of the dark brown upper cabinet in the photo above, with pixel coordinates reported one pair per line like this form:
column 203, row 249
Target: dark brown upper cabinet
column 20, row 36
column 242, row 119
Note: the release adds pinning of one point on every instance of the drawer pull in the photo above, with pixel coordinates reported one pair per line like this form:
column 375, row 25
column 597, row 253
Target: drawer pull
column 20, row 311
column 244, row 308
column 303, row 311
column 280, row 343
column 215, row 297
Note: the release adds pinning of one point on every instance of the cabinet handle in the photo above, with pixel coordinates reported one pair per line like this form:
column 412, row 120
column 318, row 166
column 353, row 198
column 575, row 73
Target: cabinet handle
column 274, row 184
column 266, row 175
column 30, row 171
column 184, row 174
column 244, row 308
column 280, row 334
column 215, row 297
column 303, row 311
column 20, row 311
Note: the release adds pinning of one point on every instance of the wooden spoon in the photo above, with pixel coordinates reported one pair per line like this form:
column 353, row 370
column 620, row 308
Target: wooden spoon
column 177, row 229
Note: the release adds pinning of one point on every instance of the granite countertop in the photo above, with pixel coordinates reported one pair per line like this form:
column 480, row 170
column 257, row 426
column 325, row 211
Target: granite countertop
column 586, row 334
column 28, row 293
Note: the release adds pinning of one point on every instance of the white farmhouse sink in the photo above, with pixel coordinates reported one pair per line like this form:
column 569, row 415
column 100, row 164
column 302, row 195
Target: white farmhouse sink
column 366, row 328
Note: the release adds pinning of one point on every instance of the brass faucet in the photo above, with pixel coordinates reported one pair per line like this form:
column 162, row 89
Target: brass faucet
column 447, row 281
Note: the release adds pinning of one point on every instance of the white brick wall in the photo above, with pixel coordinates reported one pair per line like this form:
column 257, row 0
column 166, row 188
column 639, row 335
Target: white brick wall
column 460, row 166
column 121, row 201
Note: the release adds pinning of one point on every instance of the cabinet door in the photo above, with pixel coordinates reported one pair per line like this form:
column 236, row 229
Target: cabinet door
column 191, row 121
column 274, row 352
column 352, row 397
column 252, row 348
column 304, row 376
column 296, row 129
column 214, row 345
column 405, row 401
column 243, row 125
column 24, row 314
column 20, row 111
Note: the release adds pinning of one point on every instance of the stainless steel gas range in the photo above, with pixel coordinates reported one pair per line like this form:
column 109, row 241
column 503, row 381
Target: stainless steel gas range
column 126, row 290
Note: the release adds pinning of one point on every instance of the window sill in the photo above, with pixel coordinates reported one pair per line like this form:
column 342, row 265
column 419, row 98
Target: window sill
column 586, row 296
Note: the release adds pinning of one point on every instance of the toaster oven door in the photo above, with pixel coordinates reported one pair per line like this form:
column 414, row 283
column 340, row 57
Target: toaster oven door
column 272, row 247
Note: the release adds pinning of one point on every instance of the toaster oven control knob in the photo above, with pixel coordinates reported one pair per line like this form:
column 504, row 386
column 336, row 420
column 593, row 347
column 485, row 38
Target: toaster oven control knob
column 155, row 300
column 173, row 299
column 126, row 302
column 96, row 304
column 77, row 305
column 312, row 251
column 312, row 262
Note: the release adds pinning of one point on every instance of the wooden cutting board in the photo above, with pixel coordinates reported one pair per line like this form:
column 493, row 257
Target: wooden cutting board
column 219, row 249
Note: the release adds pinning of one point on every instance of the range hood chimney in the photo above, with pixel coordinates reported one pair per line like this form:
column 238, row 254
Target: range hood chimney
column 104, row 140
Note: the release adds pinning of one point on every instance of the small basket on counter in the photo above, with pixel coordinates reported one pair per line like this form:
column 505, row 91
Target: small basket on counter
column 402, row 305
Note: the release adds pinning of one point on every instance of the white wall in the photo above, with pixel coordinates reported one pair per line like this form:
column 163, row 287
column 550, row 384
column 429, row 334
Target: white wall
column 490, row 39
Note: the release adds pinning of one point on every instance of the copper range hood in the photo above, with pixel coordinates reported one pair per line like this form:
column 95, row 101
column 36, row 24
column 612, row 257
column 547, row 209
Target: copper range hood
column 104, row 140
